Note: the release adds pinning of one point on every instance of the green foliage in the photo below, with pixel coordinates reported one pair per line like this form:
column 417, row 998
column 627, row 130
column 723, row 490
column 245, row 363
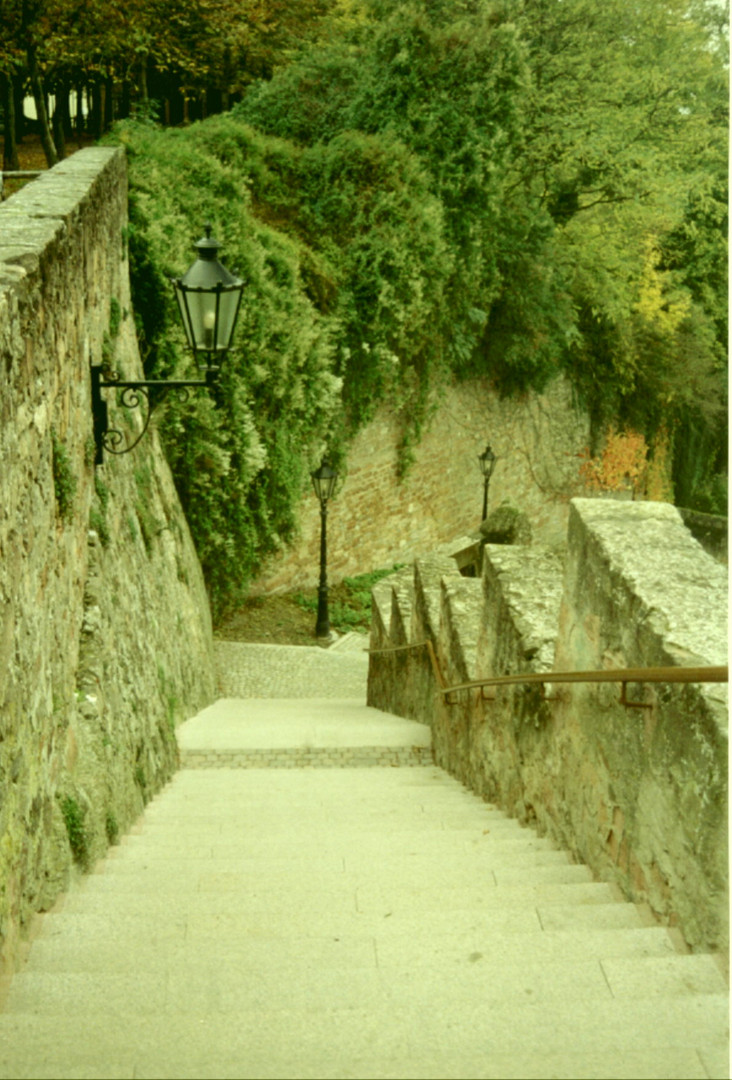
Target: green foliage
column 625, row 151
column 350, row 604
column 141, row 781
column 511, row 190
column 111, row 827
column 74, row 816
column 98, row 513
column 241, row 455
column 448, row 88
column 115, row 316
column 64, row 481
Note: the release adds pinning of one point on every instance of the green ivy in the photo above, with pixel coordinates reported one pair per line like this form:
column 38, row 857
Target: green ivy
column 64, row 480
column 74, row 820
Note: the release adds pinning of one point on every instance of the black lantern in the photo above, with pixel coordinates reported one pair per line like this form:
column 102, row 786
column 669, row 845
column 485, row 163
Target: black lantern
column 208, row 298
column 487, row 462
column 324, row 482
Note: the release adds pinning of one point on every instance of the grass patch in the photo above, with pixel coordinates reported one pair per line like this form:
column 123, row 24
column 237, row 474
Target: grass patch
column 73, row 816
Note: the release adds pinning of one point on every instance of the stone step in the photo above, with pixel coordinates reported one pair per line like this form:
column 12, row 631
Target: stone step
column 403, row 836
column 185, row 983
column 364, row 821
column 285, row 1064
column 248, row 892
column 304, row 757
column 513, row 858
column 282, row 1041
column 201, row 876
column 266, row 953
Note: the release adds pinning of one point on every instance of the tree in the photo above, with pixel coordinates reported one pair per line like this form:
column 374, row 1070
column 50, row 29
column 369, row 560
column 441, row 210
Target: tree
column 625, row 132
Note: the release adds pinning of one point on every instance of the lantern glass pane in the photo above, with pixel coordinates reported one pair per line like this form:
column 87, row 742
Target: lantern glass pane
column 202, row 307
column 181, row 297
column 324, row 481
column 228, row 308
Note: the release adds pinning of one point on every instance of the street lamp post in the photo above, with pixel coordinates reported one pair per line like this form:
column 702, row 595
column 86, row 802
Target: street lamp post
column 324, row 481
column 487, row 461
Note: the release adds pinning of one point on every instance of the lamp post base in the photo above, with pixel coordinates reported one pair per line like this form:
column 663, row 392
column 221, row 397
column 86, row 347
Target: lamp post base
column 322, row 624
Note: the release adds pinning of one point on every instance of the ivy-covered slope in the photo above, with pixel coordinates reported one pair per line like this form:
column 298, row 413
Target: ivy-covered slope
column 508, row 189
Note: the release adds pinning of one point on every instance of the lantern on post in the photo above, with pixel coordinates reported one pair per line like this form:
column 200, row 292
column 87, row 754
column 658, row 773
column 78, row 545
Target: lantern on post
column 487, row 462
column 324, row 482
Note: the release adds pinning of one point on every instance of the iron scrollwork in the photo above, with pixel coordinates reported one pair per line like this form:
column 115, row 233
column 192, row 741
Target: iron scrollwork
column 144, row 395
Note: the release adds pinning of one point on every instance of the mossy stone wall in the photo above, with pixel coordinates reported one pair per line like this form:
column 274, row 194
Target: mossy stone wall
column 105, row 635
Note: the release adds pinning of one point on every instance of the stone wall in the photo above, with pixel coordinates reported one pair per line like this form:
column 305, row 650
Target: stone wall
column 376, row 520
column 640, row 795
column 105, row 637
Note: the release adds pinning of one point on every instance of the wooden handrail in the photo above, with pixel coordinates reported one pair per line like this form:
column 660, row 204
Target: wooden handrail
column 709, row 674
column 714, row 674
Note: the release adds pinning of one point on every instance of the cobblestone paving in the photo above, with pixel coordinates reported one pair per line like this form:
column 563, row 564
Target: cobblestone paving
column 346, row 757
column 292, row 671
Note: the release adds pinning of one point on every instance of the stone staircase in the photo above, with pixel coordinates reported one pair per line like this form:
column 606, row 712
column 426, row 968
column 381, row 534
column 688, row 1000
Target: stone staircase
column 349, row 922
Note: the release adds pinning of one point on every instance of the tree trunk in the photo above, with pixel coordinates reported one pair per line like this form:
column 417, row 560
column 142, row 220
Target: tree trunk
column 79, row 118
column 18, row 95
column 144, row 96
column 63, row 107
column 108, row 102
column 47, row 143
column 126, row 99
column 96, row 118
column 60, row 119
column 10, row 146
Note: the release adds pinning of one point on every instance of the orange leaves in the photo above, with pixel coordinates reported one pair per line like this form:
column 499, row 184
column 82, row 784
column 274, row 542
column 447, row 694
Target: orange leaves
column 621, row 465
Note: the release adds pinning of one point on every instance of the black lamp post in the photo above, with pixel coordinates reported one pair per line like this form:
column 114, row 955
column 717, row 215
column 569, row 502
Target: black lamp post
column 208, row 298
column 487, row 461
column 324, row 481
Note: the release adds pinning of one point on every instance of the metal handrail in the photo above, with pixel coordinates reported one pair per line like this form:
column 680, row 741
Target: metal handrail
column 426, row 644
column 707, row 674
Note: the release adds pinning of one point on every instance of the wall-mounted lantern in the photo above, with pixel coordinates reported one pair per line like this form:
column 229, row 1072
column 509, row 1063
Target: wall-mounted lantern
column 324, row 482
column 209, row 298
column 487, row 461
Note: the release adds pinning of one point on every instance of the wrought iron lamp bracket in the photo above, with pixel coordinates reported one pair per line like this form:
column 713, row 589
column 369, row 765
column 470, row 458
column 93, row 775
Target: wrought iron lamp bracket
column 138, row 394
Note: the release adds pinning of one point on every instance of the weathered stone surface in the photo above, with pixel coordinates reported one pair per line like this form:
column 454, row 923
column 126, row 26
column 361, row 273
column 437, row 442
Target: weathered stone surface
column 639, row 795
column 640, row 591
column 105, row 637
column 380, row 517
column 462, row 606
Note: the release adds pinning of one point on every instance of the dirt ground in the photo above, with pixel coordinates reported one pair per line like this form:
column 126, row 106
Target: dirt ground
column 289, row 618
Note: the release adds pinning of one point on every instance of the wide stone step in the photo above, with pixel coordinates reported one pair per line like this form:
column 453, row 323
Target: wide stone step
column 266, row 860
column 203, row 877
column 336, row 890
column 358, row 1042
column 321, row 733
column 185, row 983
column 548, row 947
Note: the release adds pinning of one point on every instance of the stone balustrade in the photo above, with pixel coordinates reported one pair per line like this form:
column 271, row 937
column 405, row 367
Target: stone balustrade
column 639, row 794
